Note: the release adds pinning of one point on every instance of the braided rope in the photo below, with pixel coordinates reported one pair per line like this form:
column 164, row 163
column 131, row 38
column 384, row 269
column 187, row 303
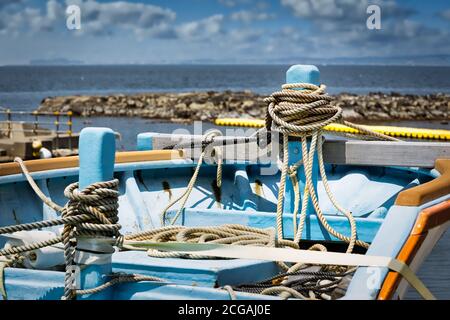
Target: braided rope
column 119, row 278
column 230, row 291
column 282, row 290
column 314, row 283
column 219, row 160
column 304, row 113
column 209, row 138
column 44, row 224
column 233, row 234
column 92, row 211
column 35, row 187
column 99, row 201
column 184, row 196
column 30, row 247
column 225, row 234
column 282, row 186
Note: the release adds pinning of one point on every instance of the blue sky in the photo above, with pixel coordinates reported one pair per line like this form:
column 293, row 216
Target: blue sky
column 225, row 31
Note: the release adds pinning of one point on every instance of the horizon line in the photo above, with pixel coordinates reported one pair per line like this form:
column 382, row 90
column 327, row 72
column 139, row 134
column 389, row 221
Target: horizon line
column 222, row 64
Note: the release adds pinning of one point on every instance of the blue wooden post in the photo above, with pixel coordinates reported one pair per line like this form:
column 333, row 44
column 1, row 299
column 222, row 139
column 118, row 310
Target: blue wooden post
column 97, row 148
column 300, row 74
column 145, row 140
column 97, row 153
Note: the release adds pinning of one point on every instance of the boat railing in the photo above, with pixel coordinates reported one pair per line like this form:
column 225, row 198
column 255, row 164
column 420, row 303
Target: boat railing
column 62, row 123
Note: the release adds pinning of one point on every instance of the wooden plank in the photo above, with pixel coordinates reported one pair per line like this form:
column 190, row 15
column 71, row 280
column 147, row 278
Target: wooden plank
column 73, row 161
column 230, row 151
column 372, row 153
column 385, row 153
column 352, row 152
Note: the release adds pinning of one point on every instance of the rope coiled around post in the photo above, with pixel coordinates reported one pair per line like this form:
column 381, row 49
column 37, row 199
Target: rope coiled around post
column 303, row 110
column 99, row 201
column 92, row 211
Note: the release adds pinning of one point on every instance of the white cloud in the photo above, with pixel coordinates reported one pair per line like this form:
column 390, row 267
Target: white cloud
column 139, row 18
column 314, row 8
column 245, row 35
column 107, row 18
column 233, row 3
column 97, row 18
column 201, row 29
column 30, row 19
column 343, row 24
column 249, row 16
column 348, row 10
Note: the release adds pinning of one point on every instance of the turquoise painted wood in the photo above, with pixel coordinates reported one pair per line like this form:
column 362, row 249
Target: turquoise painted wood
column 145, row 141
column 97, row 150
column 97, row 155
column 301, row 74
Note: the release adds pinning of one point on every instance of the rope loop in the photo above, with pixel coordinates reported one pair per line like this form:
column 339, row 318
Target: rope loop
column 301, row 108
column 100, row 202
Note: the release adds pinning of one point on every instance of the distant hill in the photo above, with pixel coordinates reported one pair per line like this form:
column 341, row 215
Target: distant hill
column 428, row 60
column 55, row 62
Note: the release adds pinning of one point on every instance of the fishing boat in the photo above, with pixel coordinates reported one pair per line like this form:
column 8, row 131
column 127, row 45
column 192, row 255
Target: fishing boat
column 283, row 213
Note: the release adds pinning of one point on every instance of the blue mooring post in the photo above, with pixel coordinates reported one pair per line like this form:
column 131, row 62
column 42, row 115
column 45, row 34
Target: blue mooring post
column 97, row 147
column 145, row 141
column 300, row 74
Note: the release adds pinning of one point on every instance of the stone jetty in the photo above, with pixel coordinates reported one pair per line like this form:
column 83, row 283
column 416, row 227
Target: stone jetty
column 207, row 106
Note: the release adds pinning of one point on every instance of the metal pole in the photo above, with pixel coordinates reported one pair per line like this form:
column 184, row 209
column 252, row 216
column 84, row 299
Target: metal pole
column 57, row 128
column 8, row 119
column 69, row 123
column 36, row 120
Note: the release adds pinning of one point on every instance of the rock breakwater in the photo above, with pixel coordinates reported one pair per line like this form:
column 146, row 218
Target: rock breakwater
column 207, row 106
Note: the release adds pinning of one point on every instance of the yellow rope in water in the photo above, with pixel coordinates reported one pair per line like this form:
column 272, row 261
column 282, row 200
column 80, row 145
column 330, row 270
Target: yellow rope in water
column 405, row 132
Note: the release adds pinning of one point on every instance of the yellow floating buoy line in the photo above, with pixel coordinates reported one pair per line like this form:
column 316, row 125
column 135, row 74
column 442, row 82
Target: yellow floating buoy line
column 413, row 133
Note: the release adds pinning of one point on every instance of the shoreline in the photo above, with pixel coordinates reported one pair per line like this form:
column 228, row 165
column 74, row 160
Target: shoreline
column 203, row 106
